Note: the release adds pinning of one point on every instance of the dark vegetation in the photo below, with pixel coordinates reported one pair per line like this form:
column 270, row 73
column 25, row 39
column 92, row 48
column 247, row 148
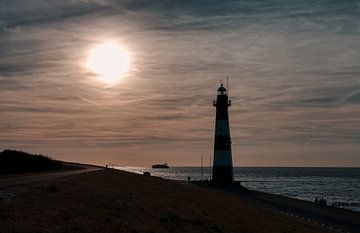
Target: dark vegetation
column 15, row 162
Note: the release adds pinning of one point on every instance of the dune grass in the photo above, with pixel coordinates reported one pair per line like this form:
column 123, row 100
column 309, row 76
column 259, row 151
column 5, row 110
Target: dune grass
column 115, row 201
column 14, row 162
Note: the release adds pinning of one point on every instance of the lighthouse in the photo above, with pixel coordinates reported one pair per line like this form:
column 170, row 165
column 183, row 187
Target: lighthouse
column 222, row 172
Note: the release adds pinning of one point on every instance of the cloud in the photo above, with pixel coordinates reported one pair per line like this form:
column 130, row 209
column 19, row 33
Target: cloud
column 293, row 67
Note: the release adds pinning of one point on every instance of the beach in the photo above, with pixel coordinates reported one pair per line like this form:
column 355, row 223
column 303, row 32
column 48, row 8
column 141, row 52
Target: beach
column 116, row 201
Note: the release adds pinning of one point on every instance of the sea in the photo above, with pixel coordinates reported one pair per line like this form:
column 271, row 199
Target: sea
column 339, row 186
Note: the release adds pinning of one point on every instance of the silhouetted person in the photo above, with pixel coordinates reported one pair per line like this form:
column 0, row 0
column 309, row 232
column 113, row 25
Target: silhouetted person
column 189, row 179
column 322, row 202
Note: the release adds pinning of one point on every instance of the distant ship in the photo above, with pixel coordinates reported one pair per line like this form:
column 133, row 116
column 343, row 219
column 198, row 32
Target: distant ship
column 160, row 165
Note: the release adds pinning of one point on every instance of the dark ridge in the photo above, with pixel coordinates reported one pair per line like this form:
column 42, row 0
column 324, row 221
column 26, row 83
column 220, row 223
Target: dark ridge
column 15, row 162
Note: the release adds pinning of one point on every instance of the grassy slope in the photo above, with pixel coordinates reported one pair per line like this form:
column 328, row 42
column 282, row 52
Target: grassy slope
column 113, row 201
column 18, row 162
column 14, row 162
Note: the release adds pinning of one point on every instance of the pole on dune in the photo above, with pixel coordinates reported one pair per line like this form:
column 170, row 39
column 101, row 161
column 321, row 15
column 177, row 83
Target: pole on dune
column 210, row 168
column 201, row 168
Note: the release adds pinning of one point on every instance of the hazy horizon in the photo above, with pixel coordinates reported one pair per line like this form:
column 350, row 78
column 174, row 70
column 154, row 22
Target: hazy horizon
column 293, row 66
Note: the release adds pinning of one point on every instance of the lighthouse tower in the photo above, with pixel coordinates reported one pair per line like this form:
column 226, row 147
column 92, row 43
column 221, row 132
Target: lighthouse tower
column 222, row 172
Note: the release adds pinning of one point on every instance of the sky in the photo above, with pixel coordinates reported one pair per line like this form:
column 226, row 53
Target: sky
column 293, row 67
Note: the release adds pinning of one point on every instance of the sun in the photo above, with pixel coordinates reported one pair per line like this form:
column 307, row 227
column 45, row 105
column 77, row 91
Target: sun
column 109, row 60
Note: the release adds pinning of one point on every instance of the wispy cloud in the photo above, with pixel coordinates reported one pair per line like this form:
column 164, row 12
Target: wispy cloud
column 293, row 68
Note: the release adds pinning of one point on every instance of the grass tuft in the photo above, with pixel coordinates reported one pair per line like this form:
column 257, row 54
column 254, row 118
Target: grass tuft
column 172, row 220
column 53, row 188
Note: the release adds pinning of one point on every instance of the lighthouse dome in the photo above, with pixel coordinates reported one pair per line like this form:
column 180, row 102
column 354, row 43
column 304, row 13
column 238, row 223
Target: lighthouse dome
column 221, row 90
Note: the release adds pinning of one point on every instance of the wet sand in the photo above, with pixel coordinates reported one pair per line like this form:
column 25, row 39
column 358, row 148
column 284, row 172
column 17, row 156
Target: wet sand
column 116, row 201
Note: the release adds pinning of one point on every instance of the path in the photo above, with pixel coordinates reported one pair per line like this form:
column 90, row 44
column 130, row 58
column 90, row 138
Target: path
column 35, row 178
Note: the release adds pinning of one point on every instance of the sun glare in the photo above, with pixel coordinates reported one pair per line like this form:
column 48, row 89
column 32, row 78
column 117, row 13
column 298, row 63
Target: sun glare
column 109, row 60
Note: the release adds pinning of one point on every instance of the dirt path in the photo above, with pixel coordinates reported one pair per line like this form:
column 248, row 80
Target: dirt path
column 35, row 178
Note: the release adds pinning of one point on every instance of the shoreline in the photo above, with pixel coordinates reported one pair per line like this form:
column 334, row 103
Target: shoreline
column 255, row 180
column 332, row 217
